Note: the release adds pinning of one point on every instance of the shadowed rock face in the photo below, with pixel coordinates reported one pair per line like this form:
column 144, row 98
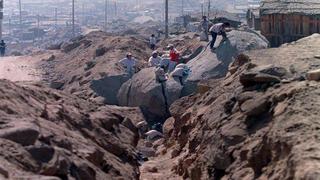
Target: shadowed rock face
column 58, row 136
column 152, row 97
column 108, row 87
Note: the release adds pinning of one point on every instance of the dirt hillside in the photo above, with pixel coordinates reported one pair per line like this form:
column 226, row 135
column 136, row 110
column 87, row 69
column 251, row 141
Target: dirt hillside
column 86, row 62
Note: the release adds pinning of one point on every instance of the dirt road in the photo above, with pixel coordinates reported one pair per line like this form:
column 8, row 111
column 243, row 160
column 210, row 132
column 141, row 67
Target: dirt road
column 21, row 68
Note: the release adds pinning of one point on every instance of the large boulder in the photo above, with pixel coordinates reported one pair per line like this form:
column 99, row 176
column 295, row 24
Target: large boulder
column 210, row 64
column 152, row 97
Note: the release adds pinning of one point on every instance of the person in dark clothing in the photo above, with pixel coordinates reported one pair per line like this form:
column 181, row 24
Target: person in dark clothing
column 218, row 29
column 2, row 48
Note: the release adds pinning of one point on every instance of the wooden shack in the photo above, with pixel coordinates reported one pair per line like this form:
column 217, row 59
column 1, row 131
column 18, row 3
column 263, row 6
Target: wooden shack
column 284, row 21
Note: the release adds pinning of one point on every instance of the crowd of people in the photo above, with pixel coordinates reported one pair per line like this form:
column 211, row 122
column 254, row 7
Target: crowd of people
column 169, row 62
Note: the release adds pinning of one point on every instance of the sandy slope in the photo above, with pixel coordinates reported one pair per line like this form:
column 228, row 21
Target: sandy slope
column 22, row 68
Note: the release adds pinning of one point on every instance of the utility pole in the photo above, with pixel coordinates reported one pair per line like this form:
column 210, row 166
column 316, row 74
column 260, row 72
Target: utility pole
column 38, row 26
column 115, row 9
column 20, row 15
column 209, row 8
column 106, row 15
column 1, row 17
column 73, row 28
column 10, row 26
column 56, row 17
column 167, row 18
column 182, row 7
column 202, row 11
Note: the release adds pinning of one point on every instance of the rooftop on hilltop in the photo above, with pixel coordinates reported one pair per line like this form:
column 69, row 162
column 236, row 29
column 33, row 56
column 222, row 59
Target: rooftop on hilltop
column 306, row 7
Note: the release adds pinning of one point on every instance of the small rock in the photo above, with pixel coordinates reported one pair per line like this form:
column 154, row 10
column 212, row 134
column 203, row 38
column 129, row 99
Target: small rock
column 148, row 144
column 67, row 47
column 255, row 107
column 168, row 127
column 51, row 58
column 279, row 109
column 313, row 75
column 100, row 51
column 82, row 171
column 128, row 124
column 41, row 153
column 36, row 177
column 147, row 152
column 56, row 85
column 252, row 78
column 22, row 134
column 151, row 169
column 152, row 134
column 90, row 65
column 4, row 172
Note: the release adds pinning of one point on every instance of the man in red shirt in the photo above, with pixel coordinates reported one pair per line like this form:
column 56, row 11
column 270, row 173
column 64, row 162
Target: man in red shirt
column 174, row 57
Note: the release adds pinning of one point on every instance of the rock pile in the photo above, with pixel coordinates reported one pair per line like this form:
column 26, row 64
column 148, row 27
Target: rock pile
column 45, row 134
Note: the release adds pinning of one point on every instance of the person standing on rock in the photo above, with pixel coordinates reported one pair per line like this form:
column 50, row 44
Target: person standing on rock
column 2, row 48
column 155, row 59
column 174, row 57
column 153, row 42
column 218, row 29
column 204, row 27
column 129, row 63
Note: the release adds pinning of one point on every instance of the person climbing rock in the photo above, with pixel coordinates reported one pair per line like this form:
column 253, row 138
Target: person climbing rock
column 129, row 63
column 155, row 59
column 153, row 42
column 204, row 28
column 219, row 29
column 2, row 48
column 174, row 57
column 182, row 72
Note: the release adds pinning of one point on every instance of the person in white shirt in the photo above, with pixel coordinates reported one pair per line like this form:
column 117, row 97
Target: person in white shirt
column 218, row 29
column 155, row 59
column 153, row 42
column 129, row 63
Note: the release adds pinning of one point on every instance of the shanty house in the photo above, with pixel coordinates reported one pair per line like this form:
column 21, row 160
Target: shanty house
column 284, row 21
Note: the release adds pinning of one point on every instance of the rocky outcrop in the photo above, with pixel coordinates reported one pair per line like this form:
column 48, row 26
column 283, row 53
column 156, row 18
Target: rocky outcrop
column 259, row 122
column 152, row 97
column 210, row 65
column 46, row 134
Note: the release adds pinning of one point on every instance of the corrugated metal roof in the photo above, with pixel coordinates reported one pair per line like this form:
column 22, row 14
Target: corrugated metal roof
column 307, row 7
